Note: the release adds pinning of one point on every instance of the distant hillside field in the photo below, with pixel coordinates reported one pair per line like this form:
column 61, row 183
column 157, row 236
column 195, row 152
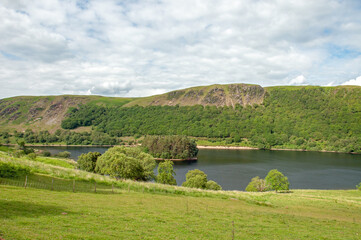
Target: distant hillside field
column 288, row 117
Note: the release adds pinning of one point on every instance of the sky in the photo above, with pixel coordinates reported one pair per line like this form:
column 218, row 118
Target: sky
column 141, row 48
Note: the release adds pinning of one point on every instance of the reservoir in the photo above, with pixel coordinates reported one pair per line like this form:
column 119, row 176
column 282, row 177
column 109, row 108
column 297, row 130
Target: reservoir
column 234, row 169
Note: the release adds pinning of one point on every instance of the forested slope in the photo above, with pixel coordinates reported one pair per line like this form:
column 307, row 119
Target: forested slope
column 307, row 117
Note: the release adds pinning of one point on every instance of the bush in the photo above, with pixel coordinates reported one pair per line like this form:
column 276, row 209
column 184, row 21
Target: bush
column 195, row 179
column 87, row 161
column 46, row 154
column 8, row 170
column 32, row 156
column 359, row 186
column 212, row 185
column 126, row 162
column 257, row 184
column 277, row 181
column 166, row 172
column 64, row 154
column 198, row 179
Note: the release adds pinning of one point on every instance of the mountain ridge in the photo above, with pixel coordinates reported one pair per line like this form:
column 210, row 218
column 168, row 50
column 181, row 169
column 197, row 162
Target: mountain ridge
column 47, row 112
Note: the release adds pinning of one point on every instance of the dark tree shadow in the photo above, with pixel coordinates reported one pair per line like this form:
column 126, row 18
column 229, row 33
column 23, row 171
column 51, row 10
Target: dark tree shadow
column 11, row 209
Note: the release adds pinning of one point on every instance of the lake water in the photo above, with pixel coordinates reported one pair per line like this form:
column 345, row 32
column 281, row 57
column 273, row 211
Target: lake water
column 233, row 169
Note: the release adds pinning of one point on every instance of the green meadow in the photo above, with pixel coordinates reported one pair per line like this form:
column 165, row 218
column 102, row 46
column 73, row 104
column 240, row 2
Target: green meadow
column 60, row 202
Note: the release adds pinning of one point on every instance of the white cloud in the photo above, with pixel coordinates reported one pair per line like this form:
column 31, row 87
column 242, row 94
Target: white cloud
column 356, row 81
column 299, row 80
column 139, row 48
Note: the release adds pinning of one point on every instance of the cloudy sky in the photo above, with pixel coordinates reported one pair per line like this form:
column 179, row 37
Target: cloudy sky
column 140, row 48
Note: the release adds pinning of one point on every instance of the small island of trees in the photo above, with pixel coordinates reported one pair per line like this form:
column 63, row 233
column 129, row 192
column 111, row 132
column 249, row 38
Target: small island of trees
column 170, row 147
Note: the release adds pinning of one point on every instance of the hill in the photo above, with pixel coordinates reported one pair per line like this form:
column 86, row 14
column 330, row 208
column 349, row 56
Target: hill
column 287, row 117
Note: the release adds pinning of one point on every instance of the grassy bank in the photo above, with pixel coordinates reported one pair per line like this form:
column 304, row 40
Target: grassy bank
column 102, row 207
column 304, row 214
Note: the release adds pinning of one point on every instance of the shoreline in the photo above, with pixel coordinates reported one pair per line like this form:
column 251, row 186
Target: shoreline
column 272, row 149
column 199, row 147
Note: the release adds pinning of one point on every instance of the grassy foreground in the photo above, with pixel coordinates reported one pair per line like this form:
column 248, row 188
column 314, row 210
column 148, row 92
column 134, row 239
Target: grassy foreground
column 48, row 209
column 303, row 214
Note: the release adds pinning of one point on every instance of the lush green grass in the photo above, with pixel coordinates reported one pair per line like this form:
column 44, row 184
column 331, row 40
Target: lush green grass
column 139, row 210
column 66, row 163
column 305, row 214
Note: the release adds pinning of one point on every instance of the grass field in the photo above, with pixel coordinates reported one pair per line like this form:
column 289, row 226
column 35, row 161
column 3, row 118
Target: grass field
column 303, row 214
column 49, row 209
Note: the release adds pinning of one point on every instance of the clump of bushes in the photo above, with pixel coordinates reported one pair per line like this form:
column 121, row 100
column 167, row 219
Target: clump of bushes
column 32, row 156
column 170, row 147
column 88, row 161
column 64, row 154
column 275, row 180
column 257, row 184
column 127, row 163
column 46, row 153
column 359, row 186
column 198, row 179
column 9, row 170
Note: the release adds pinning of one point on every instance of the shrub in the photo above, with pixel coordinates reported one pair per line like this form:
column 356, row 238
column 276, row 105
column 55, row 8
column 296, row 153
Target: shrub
column 198, row 179
column 212, row 185
column 87, row 161
column 195, row 179
column 126, row 162
column 64, row 154
column 277, row 181
column 257, row 184
column 166, row 172
column 46, row 154
column 8, row 170
column 359, row 186
column 32, row 156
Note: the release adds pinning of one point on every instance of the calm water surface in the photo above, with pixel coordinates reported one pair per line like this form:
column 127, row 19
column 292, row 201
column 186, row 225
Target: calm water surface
column 233, row 169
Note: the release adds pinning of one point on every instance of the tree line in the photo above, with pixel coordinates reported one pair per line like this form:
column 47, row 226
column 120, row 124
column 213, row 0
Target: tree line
column 314, row 118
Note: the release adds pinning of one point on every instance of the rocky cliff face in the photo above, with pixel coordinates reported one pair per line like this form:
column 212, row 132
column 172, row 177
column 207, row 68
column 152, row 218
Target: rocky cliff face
column 215, row 95
column 37, row 112
column 47, row 113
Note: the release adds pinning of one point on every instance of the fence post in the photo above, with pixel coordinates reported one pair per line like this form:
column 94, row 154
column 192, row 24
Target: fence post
column 95, row 187
column 232, row 230
column 73, row 185
column 26, row 181
column 52, row 184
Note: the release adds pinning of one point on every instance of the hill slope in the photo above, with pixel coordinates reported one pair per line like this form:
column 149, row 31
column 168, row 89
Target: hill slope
column 47, row 112
column 305, row 117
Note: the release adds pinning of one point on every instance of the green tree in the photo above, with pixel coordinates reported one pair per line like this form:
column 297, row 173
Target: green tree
column 166, row 172
column 277, row 181
column 195, row 179
column 212, row 185
column 257, row 184
column 64, row 154
column 126, row 162
column 87, row 161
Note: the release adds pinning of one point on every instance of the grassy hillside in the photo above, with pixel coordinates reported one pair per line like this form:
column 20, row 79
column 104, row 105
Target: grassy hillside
column 287, row 117
column 46, row 112
column 304, row 214
column 49, row 209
